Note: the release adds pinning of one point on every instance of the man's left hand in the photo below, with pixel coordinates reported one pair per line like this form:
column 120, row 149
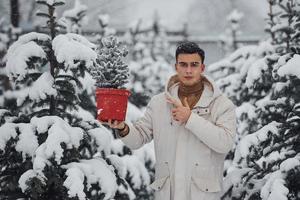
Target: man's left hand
column 181, row 112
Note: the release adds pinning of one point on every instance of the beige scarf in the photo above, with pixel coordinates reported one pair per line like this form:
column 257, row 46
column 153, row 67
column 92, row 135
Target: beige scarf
column 192, row 93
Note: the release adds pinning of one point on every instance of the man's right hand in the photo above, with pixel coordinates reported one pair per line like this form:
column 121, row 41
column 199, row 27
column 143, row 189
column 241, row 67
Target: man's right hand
column 115, row 124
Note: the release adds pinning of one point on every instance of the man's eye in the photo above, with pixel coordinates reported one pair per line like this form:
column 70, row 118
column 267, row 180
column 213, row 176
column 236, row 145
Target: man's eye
column 181, row 64
column 195, row 64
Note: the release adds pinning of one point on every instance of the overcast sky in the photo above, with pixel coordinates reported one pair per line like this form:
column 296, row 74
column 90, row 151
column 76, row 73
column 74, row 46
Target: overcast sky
column 204, row 17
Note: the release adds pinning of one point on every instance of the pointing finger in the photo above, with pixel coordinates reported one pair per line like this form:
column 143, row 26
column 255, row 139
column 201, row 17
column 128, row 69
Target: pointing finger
column 174, row 101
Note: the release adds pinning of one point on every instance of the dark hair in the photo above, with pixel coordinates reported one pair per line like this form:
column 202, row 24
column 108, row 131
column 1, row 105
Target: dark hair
column 188, row 47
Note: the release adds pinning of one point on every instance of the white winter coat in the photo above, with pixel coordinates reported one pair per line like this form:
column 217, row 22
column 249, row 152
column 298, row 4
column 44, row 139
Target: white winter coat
column 189, row 157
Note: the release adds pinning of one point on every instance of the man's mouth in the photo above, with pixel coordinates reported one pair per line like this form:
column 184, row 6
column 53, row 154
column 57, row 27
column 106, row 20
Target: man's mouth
column 188, row 77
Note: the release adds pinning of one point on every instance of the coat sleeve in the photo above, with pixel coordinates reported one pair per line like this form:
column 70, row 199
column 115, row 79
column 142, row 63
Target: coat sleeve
column 218, row 136
column 140, row 132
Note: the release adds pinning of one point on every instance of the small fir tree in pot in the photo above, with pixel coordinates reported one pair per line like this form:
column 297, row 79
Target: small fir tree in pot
column 111, row 74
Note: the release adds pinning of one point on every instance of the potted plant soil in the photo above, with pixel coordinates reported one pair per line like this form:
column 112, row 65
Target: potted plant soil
column 111, row 74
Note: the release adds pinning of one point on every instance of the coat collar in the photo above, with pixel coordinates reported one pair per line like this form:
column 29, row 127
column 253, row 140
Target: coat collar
column 210, row 91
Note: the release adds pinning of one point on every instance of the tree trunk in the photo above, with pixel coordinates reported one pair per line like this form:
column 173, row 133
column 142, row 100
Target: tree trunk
column 14, row 13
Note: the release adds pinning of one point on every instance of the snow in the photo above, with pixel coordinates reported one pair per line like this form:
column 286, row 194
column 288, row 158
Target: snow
column 134, row 163
column 234, row 17
column 78, row 8
column 255, row 138
column 96, row 171
column 104, row 18
column 279, row 27
column 289, row 164
column 119, row 164
column 127, row 190
column 272, row 157
column 81, row 113
column 27, row 143
column 234, row 176
column 279, row 190
column 28, row 175
column 133, row 113
column 59, row 132
column 243, row 51
column 137, row 171
column 291, row 67
column 21, row 50
column 74, row 182
column 88, row 83
column 247, row 108
column 102, row 138
column 264, row 47
column 3, row 112
column 117, row 146
column 280, row 86
column 244, row 114
column 39, row 90
column 7, row 131
column 146, row 153
column 40, row 160
column 256, row 71
column 18, row 55
column 71, row 48
column 51, row 2
column 274, row 188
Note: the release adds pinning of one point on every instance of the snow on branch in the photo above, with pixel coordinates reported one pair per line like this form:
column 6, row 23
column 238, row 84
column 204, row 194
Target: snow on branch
column 96, row 171
column 20, row 52
column 291, row 67
column 71, row 47
column 40, row 89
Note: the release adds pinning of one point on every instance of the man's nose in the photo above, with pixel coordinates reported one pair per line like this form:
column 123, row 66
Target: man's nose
column 189, row 69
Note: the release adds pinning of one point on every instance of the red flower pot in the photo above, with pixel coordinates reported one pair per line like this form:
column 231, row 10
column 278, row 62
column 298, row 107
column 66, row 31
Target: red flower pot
column 111, row 103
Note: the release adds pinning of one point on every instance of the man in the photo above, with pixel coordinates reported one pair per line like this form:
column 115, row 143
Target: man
column 193, row 127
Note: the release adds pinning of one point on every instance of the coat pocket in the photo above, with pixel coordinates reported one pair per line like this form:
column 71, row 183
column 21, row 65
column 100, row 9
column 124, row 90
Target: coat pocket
column 205, row 184
column 206, row 179
column 161, row 185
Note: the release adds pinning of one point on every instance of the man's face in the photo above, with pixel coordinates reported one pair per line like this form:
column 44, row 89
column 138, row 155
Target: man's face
column 189, row 68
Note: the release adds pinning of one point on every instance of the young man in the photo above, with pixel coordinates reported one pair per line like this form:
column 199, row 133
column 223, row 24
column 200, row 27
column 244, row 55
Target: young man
column 193, row 127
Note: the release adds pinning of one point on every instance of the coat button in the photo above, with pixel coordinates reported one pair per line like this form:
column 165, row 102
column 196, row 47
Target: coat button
column 159, row 188
column 196, row 164
column 206, row 189
column 206, row 110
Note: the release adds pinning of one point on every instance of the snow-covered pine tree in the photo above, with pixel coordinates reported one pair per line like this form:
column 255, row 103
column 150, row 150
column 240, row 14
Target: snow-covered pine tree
column 75, row 17
column 133, row 38
column 51, row 148
column 111, row 71
column 231, row 74
column 151, row 64
column 4, row 41
column 106, row 30
column 73, row 20
column 272, row 19
column 288, row 11
column 229, row 38
column 266, row 162
column 9, row 33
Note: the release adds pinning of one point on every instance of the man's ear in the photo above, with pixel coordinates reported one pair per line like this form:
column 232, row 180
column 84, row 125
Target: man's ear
column 203, row 66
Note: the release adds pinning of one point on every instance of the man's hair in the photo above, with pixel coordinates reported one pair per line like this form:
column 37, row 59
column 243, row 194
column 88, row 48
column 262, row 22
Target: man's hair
column 188, row 47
